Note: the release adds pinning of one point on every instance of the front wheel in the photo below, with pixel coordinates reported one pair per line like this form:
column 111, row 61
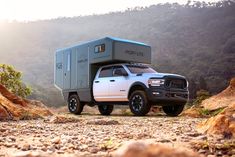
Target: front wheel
column 138, row 103
column 74, row 104
column 105, row 109
column 173, row 110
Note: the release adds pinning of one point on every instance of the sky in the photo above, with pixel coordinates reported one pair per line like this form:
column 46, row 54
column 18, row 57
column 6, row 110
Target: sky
column 31, row 10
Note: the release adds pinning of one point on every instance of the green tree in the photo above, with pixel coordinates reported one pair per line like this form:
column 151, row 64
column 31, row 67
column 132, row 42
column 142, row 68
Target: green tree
column 12, row 80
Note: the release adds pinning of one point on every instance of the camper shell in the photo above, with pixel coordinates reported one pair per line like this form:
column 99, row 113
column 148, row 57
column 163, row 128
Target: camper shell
column 76, row 66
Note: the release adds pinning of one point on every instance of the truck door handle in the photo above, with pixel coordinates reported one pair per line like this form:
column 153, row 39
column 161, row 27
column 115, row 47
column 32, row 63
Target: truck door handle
column 97, row 81
column 112, row 80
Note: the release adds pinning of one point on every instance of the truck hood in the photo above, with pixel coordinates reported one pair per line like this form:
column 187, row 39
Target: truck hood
column 161, row 75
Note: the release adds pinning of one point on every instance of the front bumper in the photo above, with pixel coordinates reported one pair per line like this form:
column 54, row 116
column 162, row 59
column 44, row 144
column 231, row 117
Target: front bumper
column 167, row 96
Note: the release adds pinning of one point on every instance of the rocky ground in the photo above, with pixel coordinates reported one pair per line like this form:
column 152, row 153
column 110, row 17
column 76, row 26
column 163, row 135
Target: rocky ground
column 95, row 135
column 55, row 132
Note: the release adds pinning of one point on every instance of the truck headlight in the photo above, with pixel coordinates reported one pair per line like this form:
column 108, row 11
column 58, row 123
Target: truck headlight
column 156, row 82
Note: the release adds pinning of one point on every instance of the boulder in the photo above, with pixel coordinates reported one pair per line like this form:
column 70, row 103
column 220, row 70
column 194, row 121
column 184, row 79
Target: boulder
column 14, row 107
column 221, row 100
column 142, row 149
column 221, row 124
column 12, row 97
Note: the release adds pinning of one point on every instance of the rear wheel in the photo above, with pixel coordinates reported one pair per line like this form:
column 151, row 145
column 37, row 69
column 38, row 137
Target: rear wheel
column 138, row 103
column 173, row 110
column 74, row 104
column 105, row 109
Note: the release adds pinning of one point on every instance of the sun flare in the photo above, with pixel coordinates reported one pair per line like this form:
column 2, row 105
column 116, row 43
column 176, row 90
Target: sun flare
column 27, row 10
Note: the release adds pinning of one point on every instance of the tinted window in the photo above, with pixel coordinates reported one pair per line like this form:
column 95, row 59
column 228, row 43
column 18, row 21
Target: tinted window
column 106, row 72
column 139, row 69
column 119, row 68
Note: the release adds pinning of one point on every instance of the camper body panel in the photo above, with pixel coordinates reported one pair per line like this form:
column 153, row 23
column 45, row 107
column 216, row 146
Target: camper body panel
column 76, row 66
column 74, row 74
column 131, row 52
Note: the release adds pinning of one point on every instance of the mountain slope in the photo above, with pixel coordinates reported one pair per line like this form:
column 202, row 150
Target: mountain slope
column 195, row 40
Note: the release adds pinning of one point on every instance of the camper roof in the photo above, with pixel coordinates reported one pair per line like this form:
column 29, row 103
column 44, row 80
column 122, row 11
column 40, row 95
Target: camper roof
column 125, row 40
column 110, row 38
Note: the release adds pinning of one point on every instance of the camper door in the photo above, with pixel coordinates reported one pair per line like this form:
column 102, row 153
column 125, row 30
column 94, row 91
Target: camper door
column 67, row 68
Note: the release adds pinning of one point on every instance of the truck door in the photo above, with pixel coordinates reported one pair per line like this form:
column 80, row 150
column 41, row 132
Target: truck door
column 67, row 69
column 101, row 84
column 118, row 85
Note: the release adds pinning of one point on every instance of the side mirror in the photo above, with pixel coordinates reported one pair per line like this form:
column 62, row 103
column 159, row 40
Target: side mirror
column 118, row 72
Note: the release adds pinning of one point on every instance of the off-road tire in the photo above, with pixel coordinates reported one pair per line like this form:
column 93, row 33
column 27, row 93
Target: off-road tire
column 173, row 110
column 74, row 104
column 105, row 109
column 138, row 103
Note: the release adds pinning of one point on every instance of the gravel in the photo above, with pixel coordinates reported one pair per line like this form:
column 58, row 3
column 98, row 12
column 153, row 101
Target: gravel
column 90, row 135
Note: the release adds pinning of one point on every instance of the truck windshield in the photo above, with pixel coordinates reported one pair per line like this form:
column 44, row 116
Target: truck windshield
column 139, row 69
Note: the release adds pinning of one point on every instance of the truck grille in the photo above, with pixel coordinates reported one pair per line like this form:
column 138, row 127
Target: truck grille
column 176, row 83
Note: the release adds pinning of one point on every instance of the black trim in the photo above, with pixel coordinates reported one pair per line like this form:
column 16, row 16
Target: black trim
column 112, row 103
column 167, row 97
column 139, row 84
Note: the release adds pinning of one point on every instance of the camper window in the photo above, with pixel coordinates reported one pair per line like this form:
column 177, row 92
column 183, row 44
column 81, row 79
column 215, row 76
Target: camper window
column 68, row 62
column 99, row 48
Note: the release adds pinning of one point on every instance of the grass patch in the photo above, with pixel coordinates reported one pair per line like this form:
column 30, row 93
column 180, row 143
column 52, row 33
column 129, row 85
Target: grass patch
column 212, row 147
column 206, row 112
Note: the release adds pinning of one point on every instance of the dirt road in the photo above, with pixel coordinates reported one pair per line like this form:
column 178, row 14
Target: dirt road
column 93, row 135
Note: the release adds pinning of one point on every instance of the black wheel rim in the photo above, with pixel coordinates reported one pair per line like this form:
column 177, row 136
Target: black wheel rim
column 137, row 102
column 105, row 107
column 172, row 108
column 73, row 104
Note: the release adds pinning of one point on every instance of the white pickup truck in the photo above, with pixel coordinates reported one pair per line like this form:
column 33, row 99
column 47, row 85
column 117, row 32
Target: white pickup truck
column 139, row 86
column 107, row 76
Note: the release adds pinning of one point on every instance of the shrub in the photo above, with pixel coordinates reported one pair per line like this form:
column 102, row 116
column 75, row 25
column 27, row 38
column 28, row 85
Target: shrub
column 11, row 79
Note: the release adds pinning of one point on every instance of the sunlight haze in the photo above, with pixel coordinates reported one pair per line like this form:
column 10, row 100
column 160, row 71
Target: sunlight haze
column 30, row 10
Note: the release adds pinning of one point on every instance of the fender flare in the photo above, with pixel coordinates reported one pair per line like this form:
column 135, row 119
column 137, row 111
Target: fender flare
column 137, row 84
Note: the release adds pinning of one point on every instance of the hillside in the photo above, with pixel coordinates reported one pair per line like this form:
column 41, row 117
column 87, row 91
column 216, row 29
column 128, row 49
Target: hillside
column 196, row 40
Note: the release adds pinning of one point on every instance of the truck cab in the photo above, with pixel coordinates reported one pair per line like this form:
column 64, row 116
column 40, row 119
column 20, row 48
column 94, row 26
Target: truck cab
column 140, row 87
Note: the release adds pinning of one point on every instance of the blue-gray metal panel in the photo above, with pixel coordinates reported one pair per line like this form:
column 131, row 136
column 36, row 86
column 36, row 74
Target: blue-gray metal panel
column 115, row 50
column 131, row 52
column 83, row 94
column 67, row 68
column 82, row 67
column 59, row 69
column 101, row 57
column 127, row 41
column 73, row 69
